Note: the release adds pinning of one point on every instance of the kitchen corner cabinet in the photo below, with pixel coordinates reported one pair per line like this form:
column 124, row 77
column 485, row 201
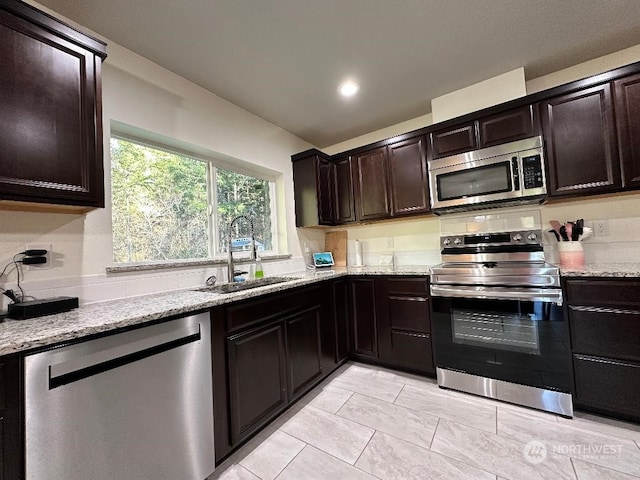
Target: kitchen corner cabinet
column 580, row 140
column 11, row 454
column 627, row 103
column 313, row 177
column 604, row 318
column 266, row 353
column 51, row 116
column 503, row 127
column 404, row 325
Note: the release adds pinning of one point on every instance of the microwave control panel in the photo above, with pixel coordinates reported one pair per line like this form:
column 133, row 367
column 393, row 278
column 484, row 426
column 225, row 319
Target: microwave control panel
column 532, row 171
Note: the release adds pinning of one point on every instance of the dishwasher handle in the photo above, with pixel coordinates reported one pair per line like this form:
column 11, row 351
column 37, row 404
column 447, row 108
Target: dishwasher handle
column 94, row 363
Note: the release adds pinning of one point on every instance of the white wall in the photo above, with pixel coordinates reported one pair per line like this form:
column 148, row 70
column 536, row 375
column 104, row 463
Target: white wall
column 140, row 93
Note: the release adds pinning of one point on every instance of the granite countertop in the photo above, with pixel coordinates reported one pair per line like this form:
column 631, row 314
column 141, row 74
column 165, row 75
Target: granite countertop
column 24, row 335
column 615, row 270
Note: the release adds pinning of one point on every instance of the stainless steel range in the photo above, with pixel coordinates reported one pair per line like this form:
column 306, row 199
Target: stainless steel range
column 498, row 325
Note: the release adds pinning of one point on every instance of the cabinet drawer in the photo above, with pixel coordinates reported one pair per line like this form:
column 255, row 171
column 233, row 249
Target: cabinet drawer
column 603, row 292
column 408, row 286
column 605, row 332
column 409, row 313
column 270, row 307
column 412, row 350
column 608, row 385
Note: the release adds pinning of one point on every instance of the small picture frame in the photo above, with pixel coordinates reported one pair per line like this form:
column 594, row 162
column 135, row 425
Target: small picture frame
column 323, row 259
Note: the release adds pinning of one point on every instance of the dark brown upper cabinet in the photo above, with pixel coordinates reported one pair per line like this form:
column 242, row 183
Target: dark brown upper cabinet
column 580, row 141
column 409, row 184
column 51, row 115
column 627, row 102
column 343, row 200
column 503, row 127
column 451, row 141
column 371, row 184
column 508, row 126
column 391, row 180
column 313, row 177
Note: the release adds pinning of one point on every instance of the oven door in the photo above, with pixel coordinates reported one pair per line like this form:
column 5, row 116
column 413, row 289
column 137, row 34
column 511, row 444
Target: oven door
column 517, row 341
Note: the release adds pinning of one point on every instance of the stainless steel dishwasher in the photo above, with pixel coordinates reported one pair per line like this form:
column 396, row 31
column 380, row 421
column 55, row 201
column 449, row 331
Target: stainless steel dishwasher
column 135, row 405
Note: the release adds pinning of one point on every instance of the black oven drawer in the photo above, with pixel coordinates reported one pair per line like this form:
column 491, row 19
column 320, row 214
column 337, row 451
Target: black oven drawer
column 605, row 332
column 607, row 385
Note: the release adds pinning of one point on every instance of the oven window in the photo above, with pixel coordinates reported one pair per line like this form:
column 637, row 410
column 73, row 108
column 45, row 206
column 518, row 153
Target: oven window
column 494, row 178
column 514, row 331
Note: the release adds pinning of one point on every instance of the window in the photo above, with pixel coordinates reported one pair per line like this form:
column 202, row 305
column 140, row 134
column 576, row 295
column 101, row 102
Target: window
column 161, row 201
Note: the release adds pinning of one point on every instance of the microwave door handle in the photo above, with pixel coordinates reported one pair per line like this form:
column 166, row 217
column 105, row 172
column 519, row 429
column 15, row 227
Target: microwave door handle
column 515, row 173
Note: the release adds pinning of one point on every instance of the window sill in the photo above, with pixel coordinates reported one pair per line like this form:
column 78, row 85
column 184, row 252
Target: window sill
column 169, row 264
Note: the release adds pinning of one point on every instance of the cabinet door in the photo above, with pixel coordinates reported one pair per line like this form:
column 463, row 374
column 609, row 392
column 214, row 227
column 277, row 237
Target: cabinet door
column 343, row 202
column 325, row 178
column 313, row 189
column 627, row 97
column 408, row 177
column 50, row 120
column 371, row 184
column 341, row 318
column 581, row 144
column 451, row 141
column 257, row 378
column 304, row 350
column 508, row 126
column 364, row 329
column 11, row 434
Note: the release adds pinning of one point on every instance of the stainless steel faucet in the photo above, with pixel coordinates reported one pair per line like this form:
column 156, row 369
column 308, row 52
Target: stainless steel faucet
column 231, row 272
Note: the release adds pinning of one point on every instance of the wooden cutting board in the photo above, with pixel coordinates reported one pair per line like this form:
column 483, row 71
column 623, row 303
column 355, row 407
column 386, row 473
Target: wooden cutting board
column 336, row 243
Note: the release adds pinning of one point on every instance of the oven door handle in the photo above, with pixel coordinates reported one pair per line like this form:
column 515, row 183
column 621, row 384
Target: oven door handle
column 498, row 293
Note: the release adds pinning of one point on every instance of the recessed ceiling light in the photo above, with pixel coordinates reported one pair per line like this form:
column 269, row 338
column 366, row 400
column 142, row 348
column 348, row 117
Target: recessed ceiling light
column 348, row 88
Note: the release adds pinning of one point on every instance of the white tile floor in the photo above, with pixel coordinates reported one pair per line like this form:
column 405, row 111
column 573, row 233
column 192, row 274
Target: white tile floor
column 366, row 422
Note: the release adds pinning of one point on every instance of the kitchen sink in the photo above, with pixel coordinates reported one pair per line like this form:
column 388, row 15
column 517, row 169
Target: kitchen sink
column 247, row 285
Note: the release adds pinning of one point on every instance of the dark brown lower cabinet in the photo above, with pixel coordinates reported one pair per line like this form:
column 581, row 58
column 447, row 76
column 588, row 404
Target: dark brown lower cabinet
column 267, row 352
column 257, row 378
column 404, row 337
column 304, row 351
column 604, row 317
column 364, row 327
column 11, row 433
column 608, row 386
column 341, row 309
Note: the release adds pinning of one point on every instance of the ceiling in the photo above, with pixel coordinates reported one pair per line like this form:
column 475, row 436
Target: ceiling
column 283, row 59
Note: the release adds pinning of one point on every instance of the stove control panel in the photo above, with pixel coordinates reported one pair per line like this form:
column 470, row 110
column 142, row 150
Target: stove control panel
column 522, row 237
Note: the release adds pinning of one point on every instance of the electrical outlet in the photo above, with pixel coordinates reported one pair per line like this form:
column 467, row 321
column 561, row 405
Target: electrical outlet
column 389, row 242
column 600, row 228
column 40, row 246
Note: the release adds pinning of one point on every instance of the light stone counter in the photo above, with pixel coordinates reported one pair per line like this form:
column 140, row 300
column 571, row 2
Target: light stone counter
column 615, row 270
column 90, row 319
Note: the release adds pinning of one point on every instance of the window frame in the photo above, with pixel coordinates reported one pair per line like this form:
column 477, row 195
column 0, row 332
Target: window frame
column 213, row 161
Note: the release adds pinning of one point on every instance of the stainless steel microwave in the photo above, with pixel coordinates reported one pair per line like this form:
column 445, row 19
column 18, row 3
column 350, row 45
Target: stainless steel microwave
column 507, row 174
